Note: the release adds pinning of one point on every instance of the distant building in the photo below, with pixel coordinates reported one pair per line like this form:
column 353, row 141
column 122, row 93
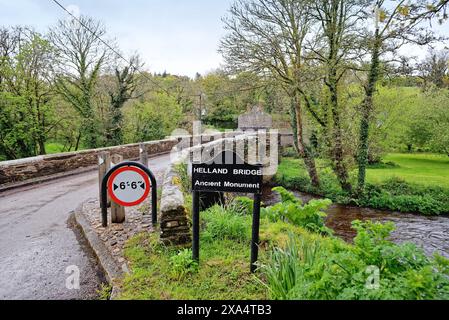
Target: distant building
column 255, row 119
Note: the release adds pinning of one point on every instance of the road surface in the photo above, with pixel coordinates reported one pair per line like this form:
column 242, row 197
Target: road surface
column 38, row 242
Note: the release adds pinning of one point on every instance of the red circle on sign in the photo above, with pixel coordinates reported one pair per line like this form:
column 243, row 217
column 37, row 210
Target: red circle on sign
column 129, row 204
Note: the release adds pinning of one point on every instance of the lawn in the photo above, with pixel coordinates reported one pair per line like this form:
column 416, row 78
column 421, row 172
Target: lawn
column 424, row 169
column 53, row 147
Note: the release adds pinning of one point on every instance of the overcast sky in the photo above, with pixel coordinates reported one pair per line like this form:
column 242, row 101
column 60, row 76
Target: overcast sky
column 177, row 36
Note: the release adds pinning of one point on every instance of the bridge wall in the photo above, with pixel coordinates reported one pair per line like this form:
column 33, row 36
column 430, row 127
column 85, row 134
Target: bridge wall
column 31, row 168
column 22, row 170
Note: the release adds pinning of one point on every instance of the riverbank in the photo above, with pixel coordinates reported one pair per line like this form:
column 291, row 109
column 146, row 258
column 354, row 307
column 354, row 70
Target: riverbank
column 427, row 232
column 402, row 182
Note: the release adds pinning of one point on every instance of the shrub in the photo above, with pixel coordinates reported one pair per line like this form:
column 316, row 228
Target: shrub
column 309, row 216
column 241, row 206
column 290, row 153
column 308, row 270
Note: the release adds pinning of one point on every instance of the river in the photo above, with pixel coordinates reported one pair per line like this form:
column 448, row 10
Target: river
column 430, row 233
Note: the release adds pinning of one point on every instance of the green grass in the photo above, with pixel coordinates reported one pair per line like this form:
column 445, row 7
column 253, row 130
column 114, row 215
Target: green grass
column 223, row 272
column 55, row 147
column 424, row 169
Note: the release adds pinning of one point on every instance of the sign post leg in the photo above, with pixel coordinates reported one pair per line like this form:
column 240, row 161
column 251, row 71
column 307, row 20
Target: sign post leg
column 196, row 226
column 255, row 233
column 154, row 202
column 104, row 164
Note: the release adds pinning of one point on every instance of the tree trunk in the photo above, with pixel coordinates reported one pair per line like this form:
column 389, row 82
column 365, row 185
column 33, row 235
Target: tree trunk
column 366, row 113
column 294, row 124
column 42, row 150
column 303, row 151
column 78, row 139
column 339, row 165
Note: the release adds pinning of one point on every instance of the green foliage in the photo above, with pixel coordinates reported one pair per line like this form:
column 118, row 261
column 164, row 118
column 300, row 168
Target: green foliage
column 104, row 293
column 185, row 180
column 283, row 271
column 290, row 153
column 409, row 119
column 242, row 206
column 26, row 114
column 153, row 119
column 309, row 216
column 384, row 189
column 307, row 269
column 16, row 124
column 294, row 264
column 398, row 195
column 182, row 264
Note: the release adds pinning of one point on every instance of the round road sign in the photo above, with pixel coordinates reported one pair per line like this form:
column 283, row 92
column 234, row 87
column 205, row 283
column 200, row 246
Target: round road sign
column 129, row 186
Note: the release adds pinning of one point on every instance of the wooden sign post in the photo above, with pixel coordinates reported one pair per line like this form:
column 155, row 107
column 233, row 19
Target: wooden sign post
column 118, row 213
column 227, row 173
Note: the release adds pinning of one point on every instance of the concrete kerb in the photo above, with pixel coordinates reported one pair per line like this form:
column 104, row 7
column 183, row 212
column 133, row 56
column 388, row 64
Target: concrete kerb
column 112, row 270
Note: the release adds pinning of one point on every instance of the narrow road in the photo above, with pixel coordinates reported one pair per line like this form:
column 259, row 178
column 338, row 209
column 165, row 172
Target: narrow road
column 38, row 241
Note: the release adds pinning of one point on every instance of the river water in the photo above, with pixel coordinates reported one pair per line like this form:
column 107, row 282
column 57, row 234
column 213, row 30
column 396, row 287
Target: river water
column 430, row 233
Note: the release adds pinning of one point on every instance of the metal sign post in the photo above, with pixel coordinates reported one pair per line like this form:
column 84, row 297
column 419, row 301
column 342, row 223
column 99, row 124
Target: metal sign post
column 128, row 184
column 237, row 177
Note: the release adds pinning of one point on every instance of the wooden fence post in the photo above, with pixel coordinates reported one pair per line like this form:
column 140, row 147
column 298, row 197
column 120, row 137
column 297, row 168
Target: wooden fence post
column 117, row 211
column 143, row 154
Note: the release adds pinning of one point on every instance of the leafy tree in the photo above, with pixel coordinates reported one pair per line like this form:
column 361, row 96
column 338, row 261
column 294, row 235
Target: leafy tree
column 396, row 23
column 267, row 37
column 16, row 128
column 152, row 118
column 126, row 82
column 25, row 71
column 333, row 47
column 81, row 56
column 435, row 69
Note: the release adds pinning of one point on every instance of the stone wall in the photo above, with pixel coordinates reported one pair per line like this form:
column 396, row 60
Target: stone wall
column 24, row 169
column 175, row 227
